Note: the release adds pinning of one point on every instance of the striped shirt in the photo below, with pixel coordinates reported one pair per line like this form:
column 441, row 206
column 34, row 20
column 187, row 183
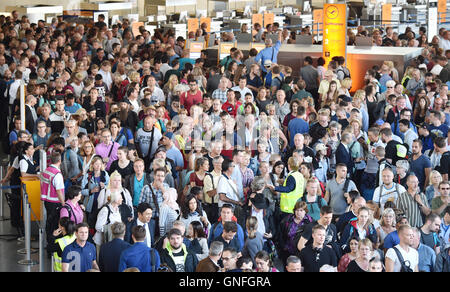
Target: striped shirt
column 410, row 207
column 147, row 197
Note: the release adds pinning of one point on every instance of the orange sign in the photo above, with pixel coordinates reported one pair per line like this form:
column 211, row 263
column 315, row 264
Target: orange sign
column 386, row 14
column 206, row 20
column 268, row 18
column 317, row 19
column 195, row 49
column 334, row 31
column 442, row 8
column 135, row 27
column 224, row 49
column 257, row 18
column 192, row 24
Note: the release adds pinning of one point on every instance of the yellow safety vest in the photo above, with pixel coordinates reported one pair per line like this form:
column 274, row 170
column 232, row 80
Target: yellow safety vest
column 288, row 200
column 63, row 242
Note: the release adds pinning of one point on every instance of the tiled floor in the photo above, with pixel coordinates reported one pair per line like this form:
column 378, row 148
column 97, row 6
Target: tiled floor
column 8, row 249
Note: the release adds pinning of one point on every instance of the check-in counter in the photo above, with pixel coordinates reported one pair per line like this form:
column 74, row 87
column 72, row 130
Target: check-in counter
column 33, row 189
column 359, row 59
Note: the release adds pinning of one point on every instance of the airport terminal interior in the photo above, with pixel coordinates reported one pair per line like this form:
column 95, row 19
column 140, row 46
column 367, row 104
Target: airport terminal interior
column 366, row 48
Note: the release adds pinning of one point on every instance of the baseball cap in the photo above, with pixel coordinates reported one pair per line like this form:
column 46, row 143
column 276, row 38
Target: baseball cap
column 159, row 149
column 168, row 135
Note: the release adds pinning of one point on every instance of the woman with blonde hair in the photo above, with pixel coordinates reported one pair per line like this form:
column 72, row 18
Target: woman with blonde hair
column 108, row 214
column 92, row 183
column 346, row 85
column 169, row 88
column 432, row 190
column 361, row 263
column 115, row 187
column 387, row 224
column 393, row 71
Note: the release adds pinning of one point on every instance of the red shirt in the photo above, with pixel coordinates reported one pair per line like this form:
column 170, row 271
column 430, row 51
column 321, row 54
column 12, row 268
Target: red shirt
column 187, row 99
column 229, row 108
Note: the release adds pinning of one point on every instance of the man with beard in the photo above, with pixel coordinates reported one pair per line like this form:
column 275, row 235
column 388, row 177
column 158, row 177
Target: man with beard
column 128, row 118
column 420, row 164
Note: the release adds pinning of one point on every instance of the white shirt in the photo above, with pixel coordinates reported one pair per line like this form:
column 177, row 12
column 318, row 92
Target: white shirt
column 148, row 237
column 23, row 165
column 13, row 91
column 260, row 216
column 164, row 68
column 385, row 195
column 107, row 78
column 243, row 91
column 157, row 95
column 410, row 136
column 228, row 187
column 58, row 180
column 411, row 256
column 102, row 219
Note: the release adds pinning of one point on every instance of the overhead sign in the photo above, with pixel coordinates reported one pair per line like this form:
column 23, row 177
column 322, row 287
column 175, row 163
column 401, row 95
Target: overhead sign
column 334, row 31
column 442, row 9
column 386, row 14
column 268, row 19
column 192, row 24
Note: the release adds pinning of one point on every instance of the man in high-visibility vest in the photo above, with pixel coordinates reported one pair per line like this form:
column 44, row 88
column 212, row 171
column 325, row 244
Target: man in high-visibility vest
column 52, row 190
column 292, row 188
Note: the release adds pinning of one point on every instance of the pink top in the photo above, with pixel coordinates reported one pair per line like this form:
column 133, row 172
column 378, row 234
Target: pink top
column 77, row 214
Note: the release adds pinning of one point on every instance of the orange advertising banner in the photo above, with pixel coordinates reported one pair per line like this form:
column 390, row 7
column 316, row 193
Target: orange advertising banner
column 386, row 14
column 268, row 18
column 208, row 23
column 257, row 18
column 442, row 9
column 317, row 19
column 135, row 27
column 334, row 31
column 192, row 24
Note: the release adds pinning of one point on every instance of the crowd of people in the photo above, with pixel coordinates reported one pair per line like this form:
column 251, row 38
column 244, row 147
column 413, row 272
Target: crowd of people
column 160, row 162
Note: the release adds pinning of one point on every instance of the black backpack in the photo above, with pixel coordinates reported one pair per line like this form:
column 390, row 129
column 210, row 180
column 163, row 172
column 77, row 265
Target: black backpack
column 345, row 71
column 55, row 216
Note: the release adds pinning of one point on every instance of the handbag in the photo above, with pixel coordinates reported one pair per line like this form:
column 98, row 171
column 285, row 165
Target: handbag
column 404, row 267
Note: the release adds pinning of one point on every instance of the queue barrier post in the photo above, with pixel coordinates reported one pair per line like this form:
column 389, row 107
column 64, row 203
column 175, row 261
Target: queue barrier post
column 27, row 222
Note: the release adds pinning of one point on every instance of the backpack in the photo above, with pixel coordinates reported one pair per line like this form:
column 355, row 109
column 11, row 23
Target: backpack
column 107, row 232
column 318, row 201
column 345, row 71
column 53, row 218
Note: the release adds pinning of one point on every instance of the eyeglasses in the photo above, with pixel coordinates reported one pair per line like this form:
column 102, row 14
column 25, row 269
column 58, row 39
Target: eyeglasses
column 445, row 189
